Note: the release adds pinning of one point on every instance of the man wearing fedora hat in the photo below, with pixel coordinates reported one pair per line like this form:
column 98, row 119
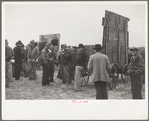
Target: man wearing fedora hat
column 99, row 67
column 80, row 65
column 18, row 60
column 136, row 70
column 8, row 56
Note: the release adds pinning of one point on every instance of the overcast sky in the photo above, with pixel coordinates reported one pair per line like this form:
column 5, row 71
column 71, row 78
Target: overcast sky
column 76, row 22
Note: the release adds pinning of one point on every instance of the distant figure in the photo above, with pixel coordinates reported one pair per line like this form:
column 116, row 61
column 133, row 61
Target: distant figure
column 99, row 66
column 32, row 55
column 18, row 60
column 79, row 69
column 136, row 69
column 8, row 65
column 47, row 64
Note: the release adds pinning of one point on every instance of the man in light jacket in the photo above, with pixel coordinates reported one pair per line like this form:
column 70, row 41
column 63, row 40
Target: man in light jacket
column 99, row 67
column 32, row 55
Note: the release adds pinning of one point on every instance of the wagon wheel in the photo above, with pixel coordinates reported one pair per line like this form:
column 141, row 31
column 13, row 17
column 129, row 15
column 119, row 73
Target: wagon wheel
column 113, row 76
column 125, row 77
column 85, row 79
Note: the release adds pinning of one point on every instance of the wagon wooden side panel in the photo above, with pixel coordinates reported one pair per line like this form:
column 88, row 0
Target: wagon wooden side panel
column 43, row 39
column 115, row 38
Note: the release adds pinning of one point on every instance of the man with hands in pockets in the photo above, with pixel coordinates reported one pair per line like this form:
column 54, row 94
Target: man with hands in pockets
column 99, row 68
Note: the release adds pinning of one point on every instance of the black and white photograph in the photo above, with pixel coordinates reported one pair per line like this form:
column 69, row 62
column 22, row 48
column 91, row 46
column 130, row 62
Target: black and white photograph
column 81, row 57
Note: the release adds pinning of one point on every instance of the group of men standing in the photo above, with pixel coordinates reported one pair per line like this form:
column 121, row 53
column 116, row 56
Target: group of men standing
column 20, row 56
column 98, row 67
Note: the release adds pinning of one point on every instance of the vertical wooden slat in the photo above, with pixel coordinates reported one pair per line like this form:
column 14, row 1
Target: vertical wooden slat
column 112, row 54
column 126, row 48
column 118, row 47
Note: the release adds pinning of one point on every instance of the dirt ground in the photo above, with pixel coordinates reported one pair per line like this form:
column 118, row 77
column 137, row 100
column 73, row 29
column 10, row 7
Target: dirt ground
column 33, row 90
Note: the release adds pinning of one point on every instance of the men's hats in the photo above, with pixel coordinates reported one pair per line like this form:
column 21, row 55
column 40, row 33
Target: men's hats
column 64, row 46
column 134, row 49
column 19, row 42
column 32, row 42
column 80, row 46
column 98, row 46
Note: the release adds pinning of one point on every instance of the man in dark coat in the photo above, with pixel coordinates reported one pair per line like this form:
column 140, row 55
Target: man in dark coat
column 18, row 60
column 136, row 70
column 80, row 65
column 66, row 59
column 47, row 64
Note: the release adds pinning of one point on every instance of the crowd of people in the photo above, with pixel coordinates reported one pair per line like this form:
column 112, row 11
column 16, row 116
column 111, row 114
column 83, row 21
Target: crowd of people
column 70, row 67
column 24, row 60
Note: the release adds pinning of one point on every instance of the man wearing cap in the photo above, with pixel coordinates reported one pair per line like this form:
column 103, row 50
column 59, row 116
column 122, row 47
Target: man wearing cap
column 66, row 59
column 80, row 65
column 99, row 67
column 8, row 66
column 18, row 60
column 136, row 69
column 32, row 55
column 47, row 64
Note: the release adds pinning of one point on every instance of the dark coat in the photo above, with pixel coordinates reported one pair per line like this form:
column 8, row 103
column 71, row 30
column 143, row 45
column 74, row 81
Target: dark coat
column 136, row 65
column 17, row 54
column 81, row 58
column 66, row 58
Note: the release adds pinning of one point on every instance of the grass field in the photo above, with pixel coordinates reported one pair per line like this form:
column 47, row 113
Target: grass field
column 33, row 90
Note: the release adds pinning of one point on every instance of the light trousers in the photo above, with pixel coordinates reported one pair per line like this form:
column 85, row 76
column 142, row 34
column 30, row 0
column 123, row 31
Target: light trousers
column 78, row 77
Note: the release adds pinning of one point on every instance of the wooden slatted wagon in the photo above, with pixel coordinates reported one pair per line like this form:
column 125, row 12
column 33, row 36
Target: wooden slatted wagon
column 115, row 42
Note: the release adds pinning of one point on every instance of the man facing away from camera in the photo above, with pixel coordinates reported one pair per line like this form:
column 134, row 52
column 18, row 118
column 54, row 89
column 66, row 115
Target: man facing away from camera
column 136, row 70
column 79, row 69
column 99, row 66
column 47, row 64
column 8, row 56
